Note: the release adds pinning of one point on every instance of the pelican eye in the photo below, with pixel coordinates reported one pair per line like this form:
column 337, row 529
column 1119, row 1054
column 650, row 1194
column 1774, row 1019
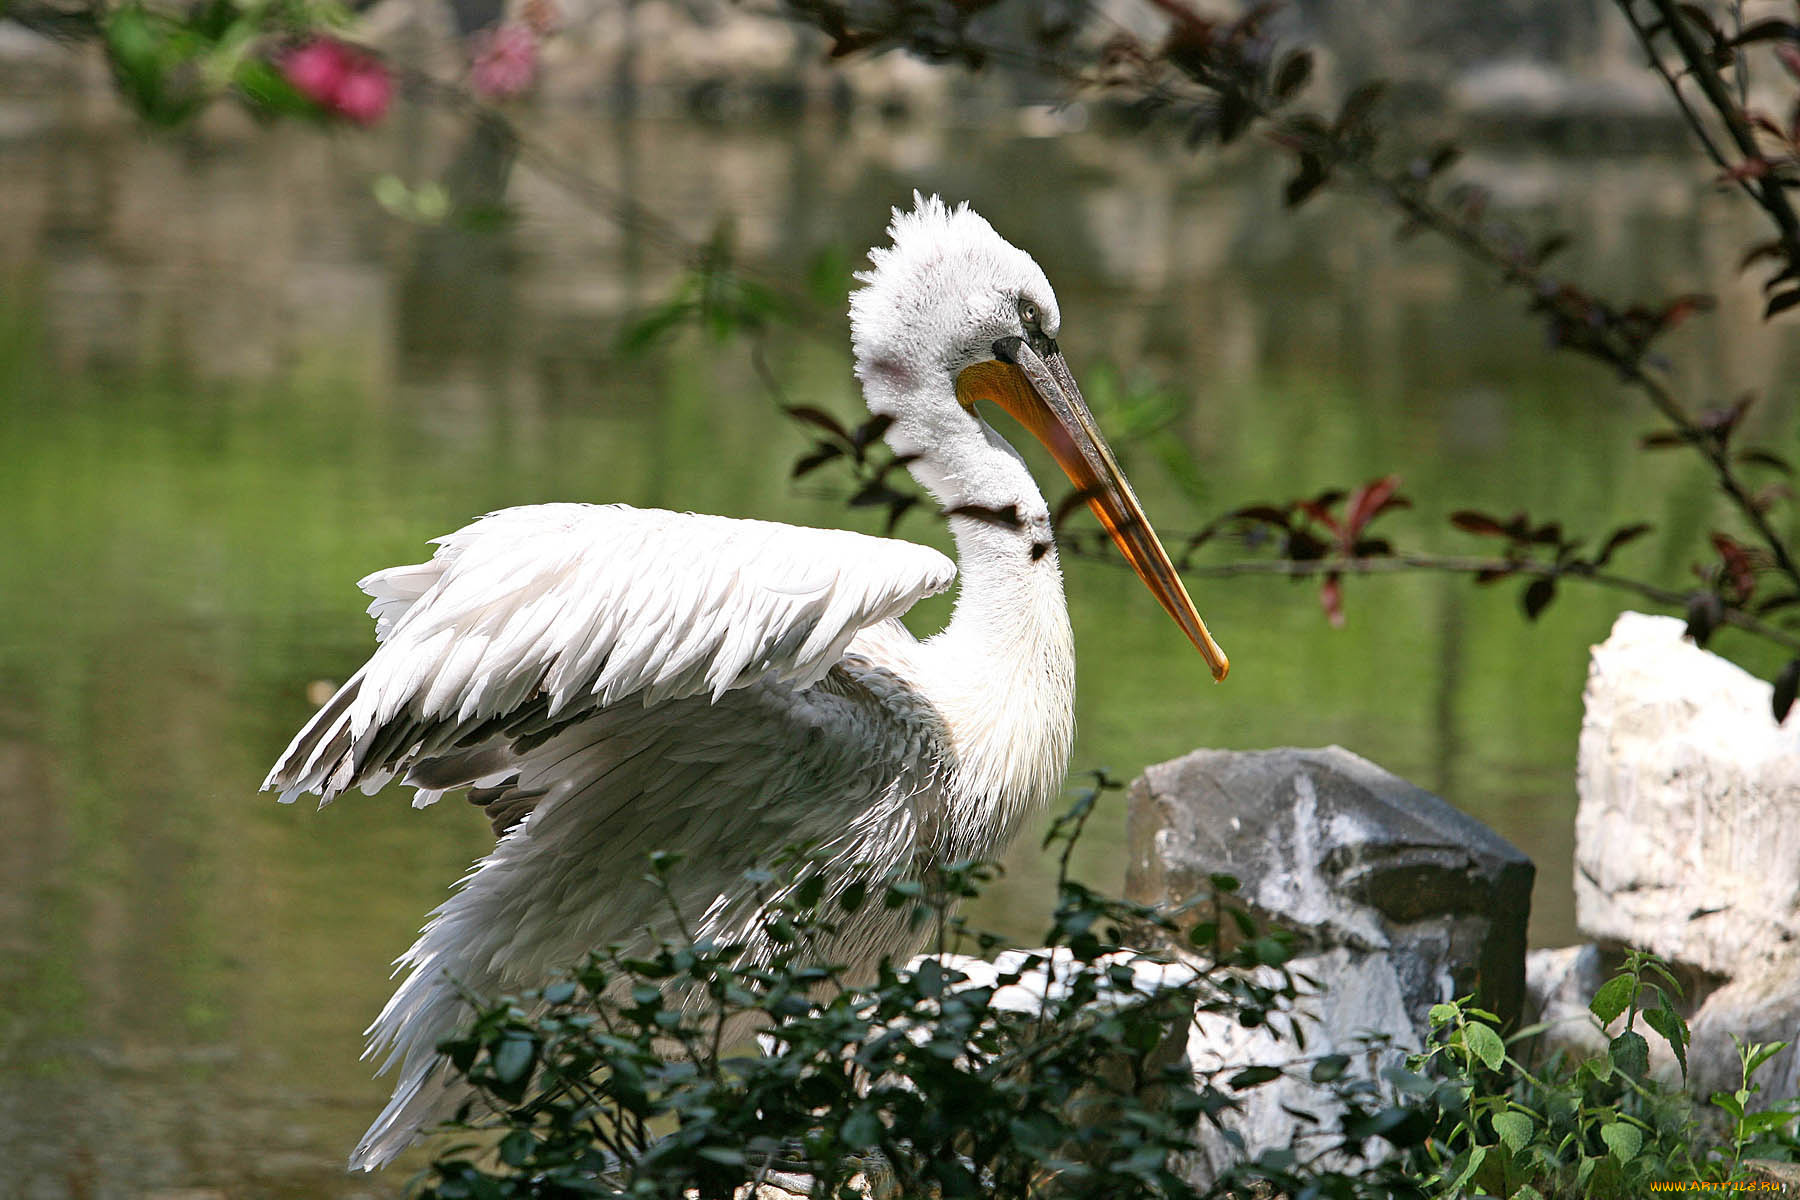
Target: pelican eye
column 1029, row 316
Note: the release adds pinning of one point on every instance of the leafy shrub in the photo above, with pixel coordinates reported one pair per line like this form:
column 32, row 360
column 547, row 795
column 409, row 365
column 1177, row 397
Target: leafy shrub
column 1053, row 1072
column 1597, row 1127
column 1060, row 1073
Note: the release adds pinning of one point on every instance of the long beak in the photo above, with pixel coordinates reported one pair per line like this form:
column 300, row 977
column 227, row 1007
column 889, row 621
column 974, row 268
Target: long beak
column 1041, row 395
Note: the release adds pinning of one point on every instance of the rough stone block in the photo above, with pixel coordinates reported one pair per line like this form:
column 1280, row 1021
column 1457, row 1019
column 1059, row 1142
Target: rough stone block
column 1687, row 840
column 1345, row 854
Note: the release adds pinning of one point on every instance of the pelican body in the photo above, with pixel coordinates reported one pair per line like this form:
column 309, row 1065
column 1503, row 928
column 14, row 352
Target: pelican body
column 607, row 681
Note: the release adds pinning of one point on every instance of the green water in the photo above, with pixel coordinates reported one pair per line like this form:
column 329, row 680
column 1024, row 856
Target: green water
column 230, row 385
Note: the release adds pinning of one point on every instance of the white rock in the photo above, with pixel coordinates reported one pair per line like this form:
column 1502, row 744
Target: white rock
column 1687, row 841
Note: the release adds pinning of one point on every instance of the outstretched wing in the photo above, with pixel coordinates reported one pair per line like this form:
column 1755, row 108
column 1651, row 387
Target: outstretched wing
column 532, row 618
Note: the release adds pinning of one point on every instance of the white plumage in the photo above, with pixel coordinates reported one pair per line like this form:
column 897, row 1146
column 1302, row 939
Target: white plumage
column 607, row 681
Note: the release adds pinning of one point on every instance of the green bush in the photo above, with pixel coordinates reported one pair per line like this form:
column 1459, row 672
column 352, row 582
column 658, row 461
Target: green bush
column 634, row 1077
column 1058, row 1074
column 1593, row 1127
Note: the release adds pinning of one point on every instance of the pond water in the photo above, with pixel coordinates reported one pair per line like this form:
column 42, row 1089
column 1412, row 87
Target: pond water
column 231, row 383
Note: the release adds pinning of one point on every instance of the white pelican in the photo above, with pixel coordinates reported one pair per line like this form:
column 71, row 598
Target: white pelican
column 608, row 681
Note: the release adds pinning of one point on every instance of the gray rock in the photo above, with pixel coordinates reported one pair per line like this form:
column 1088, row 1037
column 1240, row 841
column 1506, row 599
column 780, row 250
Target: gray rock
column 1358, row 1010
column 1558, row 985
column 1347, row 856
column 1399, row 902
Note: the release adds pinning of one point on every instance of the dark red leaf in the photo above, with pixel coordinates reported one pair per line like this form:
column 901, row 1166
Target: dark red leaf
column 1268, row 514
column 1369, row 500
column 1777, row 603
column 1292, row 74
column 1331, row 599
column 1704, row 613
column 1493, row 574
column 1360, row 104
column 1761, row 250
column 869, row 430
column 1304, row 547
column 1781, row 302
column 1311, row 178
column 873, row 493
column 1766, row 458
column 1766, row 31
column 817, row 417
column 1618, row 538
column 1470, row 521
column 1547, row 247
column 1787, row 685
column 1328, row 497
column 1234, row 116
column 898, row 507
column 1538, row 595
column 1738, row 562
column 1320, row 511
column 1548, row 535
column 822, row 453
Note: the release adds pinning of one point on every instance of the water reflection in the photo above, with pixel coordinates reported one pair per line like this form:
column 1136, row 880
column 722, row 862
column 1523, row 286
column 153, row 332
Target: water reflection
column 230, row 385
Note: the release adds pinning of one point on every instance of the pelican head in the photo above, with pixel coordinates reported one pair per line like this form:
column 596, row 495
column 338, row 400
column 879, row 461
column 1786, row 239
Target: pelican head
column 953, row 314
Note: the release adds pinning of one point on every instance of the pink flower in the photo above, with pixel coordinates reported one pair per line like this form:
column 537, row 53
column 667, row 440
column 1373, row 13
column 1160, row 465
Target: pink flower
column 317, row 69
column 503, row 61
column 340, row 79
column 364, row 95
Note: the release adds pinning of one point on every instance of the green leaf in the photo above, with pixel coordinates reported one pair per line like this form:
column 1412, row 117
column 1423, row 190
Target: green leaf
column 1667, row 1022
column 1623, row 1139
column 1613, row 998
column 1251, row 1077
column 1513, row 1128
column 1768, row 1121
column 1630, row 1053
column 513, row 1058
column 1476, row 1157
column 1442, row 1014
column 1759, row 1054
column 862, row 1129
column 1486, row 1045
column 1729, row 1103
column 1526, row 1192
column 1331, row 1067
column 516, row 1147
column 267, row 91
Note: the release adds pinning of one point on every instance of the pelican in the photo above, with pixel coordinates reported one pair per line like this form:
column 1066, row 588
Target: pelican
column 608, row 681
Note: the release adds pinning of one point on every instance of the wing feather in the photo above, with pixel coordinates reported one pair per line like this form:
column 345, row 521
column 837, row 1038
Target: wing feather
column 531, row 617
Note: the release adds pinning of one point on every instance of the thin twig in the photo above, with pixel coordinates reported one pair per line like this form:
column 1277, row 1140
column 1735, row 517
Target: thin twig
column 1464, row 565
column 1770, row 193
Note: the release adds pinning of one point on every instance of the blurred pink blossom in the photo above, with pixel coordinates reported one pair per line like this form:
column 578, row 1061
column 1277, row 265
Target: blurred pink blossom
column 364, row 95
column 340, row 79
column 503, row 61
